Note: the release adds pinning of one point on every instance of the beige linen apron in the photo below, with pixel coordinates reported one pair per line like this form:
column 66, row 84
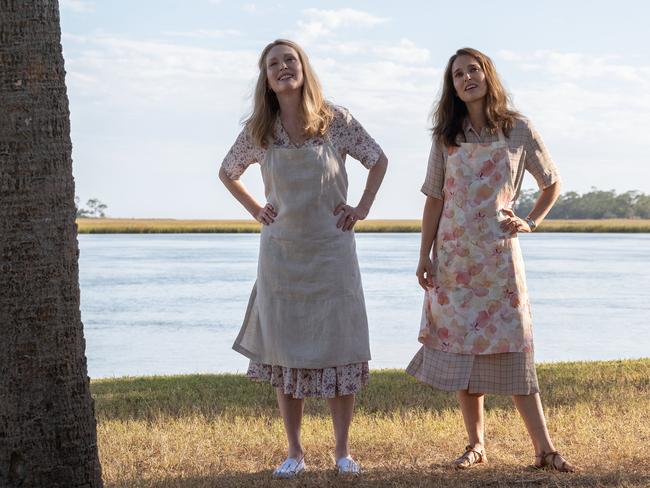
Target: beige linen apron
column 479, row 303
column 307, row 308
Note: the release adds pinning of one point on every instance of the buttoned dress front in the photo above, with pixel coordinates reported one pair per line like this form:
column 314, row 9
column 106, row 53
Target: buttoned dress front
column 476, row 327
column 305, row 327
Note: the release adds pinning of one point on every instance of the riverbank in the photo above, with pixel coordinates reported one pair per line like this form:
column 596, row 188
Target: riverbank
column 223, row 430
column 171, row 226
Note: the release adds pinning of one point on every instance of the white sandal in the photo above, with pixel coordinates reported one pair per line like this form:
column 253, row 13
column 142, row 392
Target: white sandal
column 290, row 468
column 348, row 466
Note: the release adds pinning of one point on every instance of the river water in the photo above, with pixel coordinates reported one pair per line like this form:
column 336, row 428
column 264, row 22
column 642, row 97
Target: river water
column 173, row 303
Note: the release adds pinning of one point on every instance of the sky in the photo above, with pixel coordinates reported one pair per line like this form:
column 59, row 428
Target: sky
column 158, row 90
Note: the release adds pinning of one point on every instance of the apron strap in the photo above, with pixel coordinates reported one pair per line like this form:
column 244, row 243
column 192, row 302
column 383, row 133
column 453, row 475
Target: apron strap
column 328, row 140
column 330, row 145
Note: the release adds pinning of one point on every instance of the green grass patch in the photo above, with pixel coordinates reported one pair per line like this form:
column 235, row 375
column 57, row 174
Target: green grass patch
column 389, row 391
column 223, row 430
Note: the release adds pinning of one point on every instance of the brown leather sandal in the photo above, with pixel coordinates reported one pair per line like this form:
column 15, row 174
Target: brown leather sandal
column 469, row 458
column 553, row 460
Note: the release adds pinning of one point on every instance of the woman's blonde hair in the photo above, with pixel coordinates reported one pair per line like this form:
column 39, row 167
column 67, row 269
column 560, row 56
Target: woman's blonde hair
column 450, row 111
column 317, row 113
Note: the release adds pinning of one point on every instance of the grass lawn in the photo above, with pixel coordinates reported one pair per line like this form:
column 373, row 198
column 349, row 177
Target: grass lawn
column 144, row 226
column 225, row 431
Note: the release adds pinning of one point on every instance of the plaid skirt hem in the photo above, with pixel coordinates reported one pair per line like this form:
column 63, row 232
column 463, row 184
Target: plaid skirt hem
column 511, row 373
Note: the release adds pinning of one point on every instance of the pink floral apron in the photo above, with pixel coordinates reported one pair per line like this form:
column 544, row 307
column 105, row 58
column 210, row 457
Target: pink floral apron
column 479, row 303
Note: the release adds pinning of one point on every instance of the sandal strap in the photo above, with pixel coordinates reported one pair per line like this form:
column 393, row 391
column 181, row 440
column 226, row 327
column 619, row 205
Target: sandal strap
column 554, row 455
column 469, row 449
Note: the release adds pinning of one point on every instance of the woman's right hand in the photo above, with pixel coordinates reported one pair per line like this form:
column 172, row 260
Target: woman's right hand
column 424, row 272
column 266, row 215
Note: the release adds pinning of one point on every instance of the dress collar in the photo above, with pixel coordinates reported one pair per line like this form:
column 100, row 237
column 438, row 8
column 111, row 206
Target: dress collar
column 467, row 129
column 281, row 137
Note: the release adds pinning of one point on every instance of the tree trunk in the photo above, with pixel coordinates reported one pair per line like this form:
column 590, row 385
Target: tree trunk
column 47, row 426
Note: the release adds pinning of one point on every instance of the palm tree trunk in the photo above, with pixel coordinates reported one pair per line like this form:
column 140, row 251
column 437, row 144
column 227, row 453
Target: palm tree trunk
column 47, row 426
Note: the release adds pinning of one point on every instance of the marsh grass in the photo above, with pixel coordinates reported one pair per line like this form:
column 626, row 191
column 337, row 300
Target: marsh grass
column 163, row 226
column 224, row 430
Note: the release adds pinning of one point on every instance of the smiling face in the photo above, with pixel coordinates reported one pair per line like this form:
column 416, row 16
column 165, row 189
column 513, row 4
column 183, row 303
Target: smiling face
column 469, row 78
column 283, row 69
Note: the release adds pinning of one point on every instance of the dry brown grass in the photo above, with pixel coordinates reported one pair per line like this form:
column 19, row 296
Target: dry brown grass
column 144, row 226
column 164, row 226
column 223, row 431
column 604, row 225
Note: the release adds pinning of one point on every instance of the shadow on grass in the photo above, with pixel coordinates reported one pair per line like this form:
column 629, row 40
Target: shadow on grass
column 433, row 477
column 389, row 391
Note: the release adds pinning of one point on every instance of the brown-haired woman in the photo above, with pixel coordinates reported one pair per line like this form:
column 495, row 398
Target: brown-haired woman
column 305, row 329
column 476, row 326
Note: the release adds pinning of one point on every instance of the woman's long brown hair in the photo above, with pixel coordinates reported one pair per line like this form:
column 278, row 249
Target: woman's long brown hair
column 317, row 113
column 450, row 111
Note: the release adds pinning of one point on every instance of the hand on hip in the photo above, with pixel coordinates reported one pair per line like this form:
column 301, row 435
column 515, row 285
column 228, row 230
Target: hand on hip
column 349, row 216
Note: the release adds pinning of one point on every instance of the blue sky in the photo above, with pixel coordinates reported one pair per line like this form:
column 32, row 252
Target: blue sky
column 158, row 88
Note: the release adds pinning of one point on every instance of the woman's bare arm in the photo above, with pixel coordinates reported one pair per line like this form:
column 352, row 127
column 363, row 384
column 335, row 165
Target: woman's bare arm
column 430, row 220
column 265, row 215
column 543, row 205
column 360, row 212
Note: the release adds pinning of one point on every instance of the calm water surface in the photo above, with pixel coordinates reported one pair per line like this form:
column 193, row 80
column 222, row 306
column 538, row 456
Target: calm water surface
column 171, row 304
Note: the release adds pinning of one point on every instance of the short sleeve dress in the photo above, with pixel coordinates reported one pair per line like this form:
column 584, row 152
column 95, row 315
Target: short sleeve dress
column 452, row 366
column 347, row 137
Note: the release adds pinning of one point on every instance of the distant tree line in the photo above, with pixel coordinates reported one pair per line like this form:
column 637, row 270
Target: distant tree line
column 94, row 209
column 596, row 204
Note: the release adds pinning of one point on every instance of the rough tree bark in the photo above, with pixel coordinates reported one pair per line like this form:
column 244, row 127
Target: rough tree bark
column 47, row 426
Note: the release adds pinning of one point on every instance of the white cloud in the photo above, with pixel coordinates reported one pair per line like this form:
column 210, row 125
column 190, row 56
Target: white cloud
column 133, row 73
column 205, row 33
column 405, row 52
column 385, row 90
column 322, row 23
column 79, row 6
column 585, row 114
column 577, row 66
column 583, row 98
column 508, row 55
column 345, row 48
column 346, row 16
column 387, row 79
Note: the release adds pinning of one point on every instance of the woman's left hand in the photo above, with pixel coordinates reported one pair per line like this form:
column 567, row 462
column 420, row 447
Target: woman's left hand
column 349, row 216
column 513, row 224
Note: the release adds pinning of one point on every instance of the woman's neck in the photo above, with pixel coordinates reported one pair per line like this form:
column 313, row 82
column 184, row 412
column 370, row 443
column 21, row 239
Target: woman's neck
column 290, row 105
column 476, row 114
column 291, row 115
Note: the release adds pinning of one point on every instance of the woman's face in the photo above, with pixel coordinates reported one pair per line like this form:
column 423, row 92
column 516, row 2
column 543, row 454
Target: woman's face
column 469, row 78
column 283, row 69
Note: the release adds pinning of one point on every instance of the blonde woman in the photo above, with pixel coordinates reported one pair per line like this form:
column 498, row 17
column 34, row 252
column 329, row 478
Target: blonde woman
column 305, row 330
column 476, row 323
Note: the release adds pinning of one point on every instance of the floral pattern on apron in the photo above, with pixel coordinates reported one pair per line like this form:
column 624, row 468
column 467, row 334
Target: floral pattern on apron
column 479, row 302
